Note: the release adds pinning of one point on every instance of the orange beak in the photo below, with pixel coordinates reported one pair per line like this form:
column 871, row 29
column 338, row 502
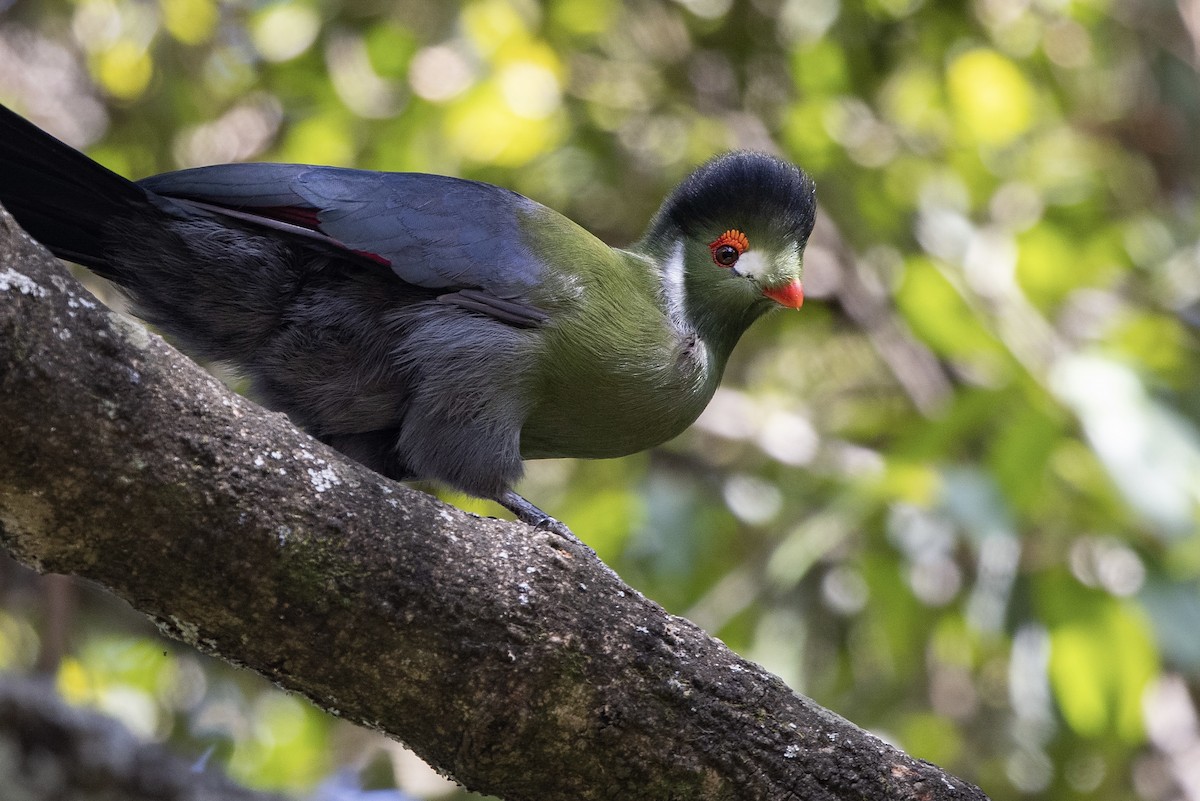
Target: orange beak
column 790, row 295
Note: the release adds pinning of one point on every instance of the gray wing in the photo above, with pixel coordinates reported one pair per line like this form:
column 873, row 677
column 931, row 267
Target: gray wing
column 431, row 230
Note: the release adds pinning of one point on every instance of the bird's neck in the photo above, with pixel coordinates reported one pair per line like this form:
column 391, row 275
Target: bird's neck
column 696, row 303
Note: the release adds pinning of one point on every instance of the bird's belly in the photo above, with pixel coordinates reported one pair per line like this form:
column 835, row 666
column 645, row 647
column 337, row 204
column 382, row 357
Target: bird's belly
column 602, row 432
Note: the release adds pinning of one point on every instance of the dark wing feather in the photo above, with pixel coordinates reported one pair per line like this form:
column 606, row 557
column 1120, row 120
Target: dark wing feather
column 432, row 230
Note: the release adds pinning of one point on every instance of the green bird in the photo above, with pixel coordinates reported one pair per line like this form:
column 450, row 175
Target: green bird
column 427, row 326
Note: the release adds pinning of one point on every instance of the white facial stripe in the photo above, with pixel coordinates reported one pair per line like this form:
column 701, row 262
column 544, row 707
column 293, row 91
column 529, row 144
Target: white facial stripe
column 672, row 287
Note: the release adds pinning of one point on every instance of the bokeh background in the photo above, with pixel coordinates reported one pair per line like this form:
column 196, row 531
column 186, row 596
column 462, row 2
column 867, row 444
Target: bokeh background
column 955, row 498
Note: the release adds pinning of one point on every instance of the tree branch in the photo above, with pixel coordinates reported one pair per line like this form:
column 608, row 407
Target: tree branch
column 509, row 658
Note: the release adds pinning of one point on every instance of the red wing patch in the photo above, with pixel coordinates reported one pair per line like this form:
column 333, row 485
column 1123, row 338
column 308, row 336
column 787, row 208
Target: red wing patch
column 296, row 215
column 310, row 219
column 375, row 257
column 294, row 220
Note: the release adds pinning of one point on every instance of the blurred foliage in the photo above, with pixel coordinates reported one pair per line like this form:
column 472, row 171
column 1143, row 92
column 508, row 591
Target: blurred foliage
column 955, row 499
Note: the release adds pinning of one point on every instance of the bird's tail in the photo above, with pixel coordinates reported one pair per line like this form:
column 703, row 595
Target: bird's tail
column 64, row 199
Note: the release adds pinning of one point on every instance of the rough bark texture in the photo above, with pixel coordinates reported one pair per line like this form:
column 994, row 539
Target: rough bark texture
column 509, row 658
column 52, row 752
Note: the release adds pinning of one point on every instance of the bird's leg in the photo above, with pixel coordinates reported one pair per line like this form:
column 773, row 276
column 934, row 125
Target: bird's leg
column 527, row 513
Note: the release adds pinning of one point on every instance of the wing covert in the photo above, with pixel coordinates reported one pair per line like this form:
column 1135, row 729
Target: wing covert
column 432, row 230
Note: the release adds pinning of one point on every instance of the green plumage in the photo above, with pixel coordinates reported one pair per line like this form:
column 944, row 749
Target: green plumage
column 612, row 375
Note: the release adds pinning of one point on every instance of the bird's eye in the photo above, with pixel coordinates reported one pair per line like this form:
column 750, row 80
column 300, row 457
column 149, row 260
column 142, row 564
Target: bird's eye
column 725, row 255
column 728, row 247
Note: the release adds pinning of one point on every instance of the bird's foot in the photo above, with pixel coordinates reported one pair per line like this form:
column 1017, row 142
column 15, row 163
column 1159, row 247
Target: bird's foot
column 529, row 514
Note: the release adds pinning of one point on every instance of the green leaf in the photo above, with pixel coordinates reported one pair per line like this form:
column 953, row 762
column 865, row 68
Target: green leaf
column 1100, row 667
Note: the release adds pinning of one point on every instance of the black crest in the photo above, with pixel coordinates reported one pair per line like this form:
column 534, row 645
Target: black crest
column 742, row 189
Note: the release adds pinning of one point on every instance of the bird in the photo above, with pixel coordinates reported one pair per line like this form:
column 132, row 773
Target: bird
column 431, row 327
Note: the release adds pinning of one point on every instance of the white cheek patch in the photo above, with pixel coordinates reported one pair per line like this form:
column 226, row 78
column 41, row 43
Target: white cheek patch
column 753, row 265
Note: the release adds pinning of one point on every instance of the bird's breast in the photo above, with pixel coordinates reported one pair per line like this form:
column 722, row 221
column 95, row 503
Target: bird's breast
column 612, row 396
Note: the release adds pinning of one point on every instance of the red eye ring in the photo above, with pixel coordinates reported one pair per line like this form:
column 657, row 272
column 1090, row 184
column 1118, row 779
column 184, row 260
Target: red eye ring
column 728, row 247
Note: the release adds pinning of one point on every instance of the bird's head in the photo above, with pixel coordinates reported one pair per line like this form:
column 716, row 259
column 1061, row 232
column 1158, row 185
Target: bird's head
column 730, row 240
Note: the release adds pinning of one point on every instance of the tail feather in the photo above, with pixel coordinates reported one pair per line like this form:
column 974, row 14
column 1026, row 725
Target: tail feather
column 63, row 199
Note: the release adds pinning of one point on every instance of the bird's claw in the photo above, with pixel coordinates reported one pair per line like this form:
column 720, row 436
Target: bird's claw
column 533, row 516
column 555, row 526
